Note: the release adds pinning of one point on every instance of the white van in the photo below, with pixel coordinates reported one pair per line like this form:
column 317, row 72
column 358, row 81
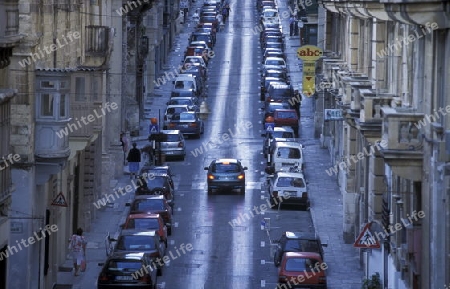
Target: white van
column 287, row 155
column 186, row 82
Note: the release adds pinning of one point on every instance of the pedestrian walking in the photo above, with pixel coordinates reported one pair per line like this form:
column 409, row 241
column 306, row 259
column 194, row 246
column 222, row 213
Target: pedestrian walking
column 221, row 25
column 225, row 14
column 124, row 144
column 292, row 25
column 77, row 244
column 134, row 158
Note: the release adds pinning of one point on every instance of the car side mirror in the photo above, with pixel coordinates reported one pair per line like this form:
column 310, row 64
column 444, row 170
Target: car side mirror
column 122, row 226
column 206, row 168
column 100, row 264
column 173, row 81
column 324, row 244
column 127, row 204
column 245, row 168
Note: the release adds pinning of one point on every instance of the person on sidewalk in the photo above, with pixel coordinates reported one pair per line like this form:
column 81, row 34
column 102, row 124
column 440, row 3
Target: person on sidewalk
column 134, row 158
column 124, row 144
column 221, row 25
column 292, row 25
column 77, row 244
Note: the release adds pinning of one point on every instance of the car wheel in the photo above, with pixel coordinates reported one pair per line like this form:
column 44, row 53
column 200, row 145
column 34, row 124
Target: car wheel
column 159, row 271
column 169, row 231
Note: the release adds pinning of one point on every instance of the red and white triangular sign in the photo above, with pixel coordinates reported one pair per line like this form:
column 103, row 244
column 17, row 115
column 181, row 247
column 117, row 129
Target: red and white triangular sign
column 366, row 239
column 59, row 201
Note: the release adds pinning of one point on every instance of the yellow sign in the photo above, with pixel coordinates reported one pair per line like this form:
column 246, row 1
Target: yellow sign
column 309, row 78
column 309, row 53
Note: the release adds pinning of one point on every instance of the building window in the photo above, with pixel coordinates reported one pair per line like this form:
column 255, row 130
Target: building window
column 52, row 99
column 97, row 38
column 80, row 89
column 46, row 105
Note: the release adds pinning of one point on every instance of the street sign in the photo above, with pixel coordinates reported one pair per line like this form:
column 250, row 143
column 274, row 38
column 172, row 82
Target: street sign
column 59, row 201
column 366, row 239
column 269, row 126
column 309, row 77
column 153, row 128
column 333, row 114
column 309, row 53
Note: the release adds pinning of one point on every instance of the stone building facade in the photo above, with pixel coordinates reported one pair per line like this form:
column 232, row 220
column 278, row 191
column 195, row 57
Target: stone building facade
column 388, row 63
column 65, row 93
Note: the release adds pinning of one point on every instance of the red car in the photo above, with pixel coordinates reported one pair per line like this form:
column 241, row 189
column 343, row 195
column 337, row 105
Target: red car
column 148, row 204
column 147, row 222
column 287, row 117
column 302, row 270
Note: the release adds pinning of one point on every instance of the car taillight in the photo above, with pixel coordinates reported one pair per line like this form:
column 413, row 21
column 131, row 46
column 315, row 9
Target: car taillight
column 103, row 277
column 323, row 280
column 193, row 124
column 241, row 177
column 305, row 195
column 145, row 279
column 282, row 279
column 275, row 194
column 180, row 144
column 211, row 177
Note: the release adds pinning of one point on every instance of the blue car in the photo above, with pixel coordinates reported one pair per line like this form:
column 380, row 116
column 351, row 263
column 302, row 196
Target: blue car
column 187, row 123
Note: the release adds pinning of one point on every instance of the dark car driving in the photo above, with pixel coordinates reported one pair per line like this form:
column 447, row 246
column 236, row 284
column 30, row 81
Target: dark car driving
column 226, row 174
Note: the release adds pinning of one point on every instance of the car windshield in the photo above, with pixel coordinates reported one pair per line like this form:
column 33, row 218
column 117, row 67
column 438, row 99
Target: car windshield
column 179, row 102
column 277, row 105
column 172, row 110
column 290, row 182
column 145, row 223
column 184, row 84
column 124, row 265
column 282, row 134
column 193, row 60
column 275, row 62
column 300, row 264
column 157, row 182
column 270, row 14
column 288, row 153
column 226, row 168
column 135, row 242
column 170, row 138
column 149, row 205
column 273, row 45
column 187, row 116
column 276, row 74
column 286, row 114
column 186, row 93
column 201, row 38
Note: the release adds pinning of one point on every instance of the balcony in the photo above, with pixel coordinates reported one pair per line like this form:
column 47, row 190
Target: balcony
column 9, row 28
column 401, row 141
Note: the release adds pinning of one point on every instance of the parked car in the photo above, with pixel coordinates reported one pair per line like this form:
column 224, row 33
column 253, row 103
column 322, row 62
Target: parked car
column 184, row 93
column 154, row 170
column 195, row 60
column 188, row 123
column 147, row 222
column 297, row 242
column 202, row 37
column 270, row 107
column 120, row 270
column 226, row 174
column 304, row 268
column 159, row 184
column 266, row 83
column 287, row 117
column 171, row 143
column 286, row 155
column 274, row 62
column 278, row 132
column 153, row 205
column 171, row 110
column 290, row 187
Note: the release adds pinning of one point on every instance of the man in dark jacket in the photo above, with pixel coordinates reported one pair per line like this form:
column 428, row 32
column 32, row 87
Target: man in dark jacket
column 134, row 158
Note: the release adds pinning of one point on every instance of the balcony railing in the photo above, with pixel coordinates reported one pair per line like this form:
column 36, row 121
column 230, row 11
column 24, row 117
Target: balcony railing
column 371, row 104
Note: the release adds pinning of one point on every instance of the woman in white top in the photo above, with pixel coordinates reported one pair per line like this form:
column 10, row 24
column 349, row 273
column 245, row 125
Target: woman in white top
column 77, row 244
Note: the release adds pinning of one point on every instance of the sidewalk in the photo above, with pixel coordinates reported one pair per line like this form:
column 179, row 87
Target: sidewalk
column 344, row 269
column 114, row 214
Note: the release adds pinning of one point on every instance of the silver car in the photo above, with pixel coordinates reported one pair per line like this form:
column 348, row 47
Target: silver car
column 172, row 143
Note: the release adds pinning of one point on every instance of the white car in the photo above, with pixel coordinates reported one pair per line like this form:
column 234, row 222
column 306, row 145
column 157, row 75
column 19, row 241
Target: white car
column 195, row 60
column 284, row 132
column 171, row 110
column 288, row 188
column 274, row 62
column 285, row 156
